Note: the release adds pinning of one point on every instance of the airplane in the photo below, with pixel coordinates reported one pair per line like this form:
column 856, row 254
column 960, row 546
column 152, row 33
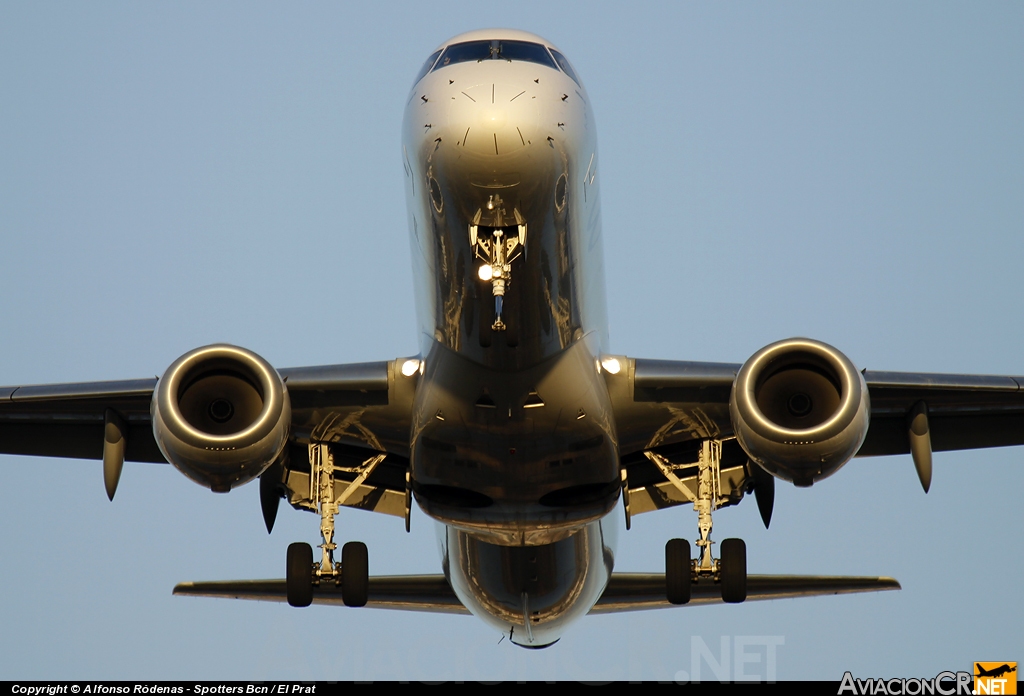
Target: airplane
column 513, row 428
column 995, row 671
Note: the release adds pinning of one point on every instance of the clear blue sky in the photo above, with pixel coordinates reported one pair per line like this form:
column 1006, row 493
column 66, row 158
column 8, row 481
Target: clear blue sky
column 177, row 174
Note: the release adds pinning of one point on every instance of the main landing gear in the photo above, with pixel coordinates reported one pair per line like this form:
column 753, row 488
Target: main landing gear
column 352, row 574
column 730, row 570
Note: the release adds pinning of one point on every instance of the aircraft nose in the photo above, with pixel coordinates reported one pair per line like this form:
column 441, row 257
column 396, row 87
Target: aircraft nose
column 495, row 118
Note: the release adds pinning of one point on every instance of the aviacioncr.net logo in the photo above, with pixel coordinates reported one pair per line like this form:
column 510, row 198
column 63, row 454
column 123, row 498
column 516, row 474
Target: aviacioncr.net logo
column 943, row 684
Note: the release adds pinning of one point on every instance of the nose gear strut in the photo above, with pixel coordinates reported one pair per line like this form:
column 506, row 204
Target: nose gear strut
column 497, row 251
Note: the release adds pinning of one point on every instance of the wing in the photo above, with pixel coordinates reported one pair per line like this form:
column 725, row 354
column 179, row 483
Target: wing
column 66, row 420
column 664, row 409
column 625, row 591
column 358, row 410
column 964, row 411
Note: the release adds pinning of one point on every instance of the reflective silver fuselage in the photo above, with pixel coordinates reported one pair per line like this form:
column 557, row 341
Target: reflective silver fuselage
column 513, row 442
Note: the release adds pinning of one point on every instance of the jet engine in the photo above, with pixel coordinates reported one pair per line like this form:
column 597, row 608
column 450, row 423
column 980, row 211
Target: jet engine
column 221, row 415
column 800, row 410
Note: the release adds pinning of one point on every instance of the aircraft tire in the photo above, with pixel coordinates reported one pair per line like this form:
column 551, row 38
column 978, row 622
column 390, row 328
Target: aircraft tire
column 355, row 574
column 299, row 575
column 734, row 571
column 677, row 571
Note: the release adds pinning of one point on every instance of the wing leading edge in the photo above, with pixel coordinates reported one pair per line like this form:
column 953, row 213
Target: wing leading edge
column 664, row 402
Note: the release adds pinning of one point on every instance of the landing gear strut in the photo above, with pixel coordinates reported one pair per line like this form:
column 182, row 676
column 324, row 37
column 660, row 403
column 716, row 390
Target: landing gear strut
column 730, row 571
column 497, row 253
column 352, row 574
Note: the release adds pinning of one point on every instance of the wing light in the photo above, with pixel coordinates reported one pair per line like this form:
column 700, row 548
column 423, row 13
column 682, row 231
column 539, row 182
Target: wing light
column 611, row 365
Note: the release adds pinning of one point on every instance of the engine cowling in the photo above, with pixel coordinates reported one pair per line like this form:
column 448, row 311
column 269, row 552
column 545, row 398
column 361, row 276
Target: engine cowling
column 221, row 415
column 800, row 410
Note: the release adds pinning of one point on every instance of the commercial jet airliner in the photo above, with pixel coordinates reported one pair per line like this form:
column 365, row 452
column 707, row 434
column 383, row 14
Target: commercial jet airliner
column 514, row 428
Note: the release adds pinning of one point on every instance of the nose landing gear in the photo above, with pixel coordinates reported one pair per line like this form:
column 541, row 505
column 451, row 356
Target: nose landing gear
column 352, row 574
column 497, row 252
column 730, row 570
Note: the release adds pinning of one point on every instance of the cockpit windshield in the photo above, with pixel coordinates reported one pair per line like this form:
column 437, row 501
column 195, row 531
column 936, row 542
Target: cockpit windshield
column 495, row 50
column 563, row 63
column 427, row 66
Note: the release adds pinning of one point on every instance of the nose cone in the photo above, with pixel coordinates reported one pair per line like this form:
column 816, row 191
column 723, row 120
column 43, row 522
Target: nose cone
column 499, row 118
column 497, row 114
column 481, row 115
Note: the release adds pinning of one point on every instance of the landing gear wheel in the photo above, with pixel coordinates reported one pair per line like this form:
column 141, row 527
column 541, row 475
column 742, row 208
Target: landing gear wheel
column 734, row 571
column 299, row 576
column 677, row 571
column 355, row 574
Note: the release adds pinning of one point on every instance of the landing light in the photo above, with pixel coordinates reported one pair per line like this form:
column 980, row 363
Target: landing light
column 410, row 367
column 611, row 365
column 486, row 272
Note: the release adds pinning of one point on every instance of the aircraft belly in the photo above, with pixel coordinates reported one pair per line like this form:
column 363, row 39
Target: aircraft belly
column 514, row 458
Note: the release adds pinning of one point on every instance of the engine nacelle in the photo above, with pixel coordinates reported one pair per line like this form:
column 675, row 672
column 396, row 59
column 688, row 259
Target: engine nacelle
column 800, row 410
column 221, row 415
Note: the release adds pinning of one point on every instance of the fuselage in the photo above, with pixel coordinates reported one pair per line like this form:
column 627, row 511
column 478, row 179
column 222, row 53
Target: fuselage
column 514, row 449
